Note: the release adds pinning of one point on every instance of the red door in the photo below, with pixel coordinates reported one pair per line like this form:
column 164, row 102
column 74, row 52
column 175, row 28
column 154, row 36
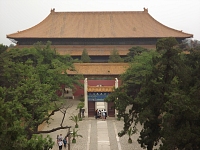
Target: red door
column 111, row 109
column 91, row 109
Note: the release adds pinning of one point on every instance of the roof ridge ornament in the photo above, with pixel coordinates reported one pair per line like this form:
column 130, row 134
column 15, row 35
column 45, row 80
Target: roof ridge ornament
column 145, row 10
column 52, row 10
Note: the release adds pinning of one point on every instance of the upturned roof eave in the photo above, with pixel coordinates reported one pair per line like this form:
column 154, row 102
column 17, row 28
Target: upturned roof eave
column 13, row 37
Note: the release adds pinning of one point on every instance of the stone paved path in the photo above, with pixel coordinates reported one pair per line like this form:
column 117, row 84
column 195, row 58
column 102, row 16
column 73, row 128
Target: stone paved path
column 97, row 134
column 102, row 136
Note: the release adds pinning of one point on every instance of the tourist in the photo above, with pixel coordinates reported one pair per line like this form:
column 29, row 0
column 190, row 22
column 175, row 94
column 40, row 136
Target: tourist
column 105, row 113
column 99, row 114
column 57, row 139
column 96, row 113
column 65, row 142
column 60, row 137
column 60, row 143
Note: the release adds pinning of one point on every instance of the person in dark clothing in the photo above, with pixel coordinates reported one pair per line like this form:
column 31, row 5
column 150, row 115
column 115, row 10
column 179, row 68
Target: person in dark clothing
column 96, row 114
column 105, row 113
column 99, row 114
column 65, row 142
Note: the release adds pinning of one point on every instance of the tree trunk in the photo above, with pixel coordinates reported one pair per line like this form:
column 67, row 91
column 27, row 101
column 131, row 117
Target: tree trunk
column 150, row 146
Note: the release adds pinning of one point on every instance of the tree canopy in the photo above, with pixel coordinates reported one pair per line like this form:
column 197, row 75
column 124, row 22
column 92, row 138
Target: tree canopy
column 30, row 79
column 85, row 58
column 134, row 51
column 161, row 92
column 115, row 57
column 3, row 48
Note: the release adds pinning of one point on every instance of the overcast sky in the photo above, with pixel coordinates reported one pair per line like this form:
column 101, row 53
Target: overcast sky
column 18, row 15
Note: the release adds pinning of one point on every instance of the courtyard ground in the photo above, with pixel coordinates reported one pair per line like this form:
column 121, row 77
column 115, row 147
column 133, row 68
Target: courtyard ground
column 97, row 134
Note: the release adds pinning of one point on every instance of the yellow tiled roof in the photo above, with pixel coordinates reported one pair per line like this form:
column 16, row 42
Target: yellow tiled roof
column 100, row 89
column 93, row 50
column 99, row 68
column 124, row 24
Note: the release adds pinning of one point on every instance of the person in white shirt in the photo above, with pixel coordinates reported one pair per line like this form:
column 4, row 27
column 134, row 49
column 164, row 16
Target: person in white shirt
column 103, row 114
column 60, row 143
column 60, row 137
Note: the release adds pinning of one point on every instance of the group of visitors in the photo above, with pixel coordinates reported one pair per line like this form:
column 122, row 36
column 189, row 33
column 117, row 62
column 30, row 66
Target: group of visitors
column 62, row 141
column 101, row 114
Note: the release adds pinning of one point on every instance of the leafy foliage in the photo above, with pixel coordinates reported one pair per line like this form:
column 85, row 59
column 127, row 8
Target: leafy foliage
column 75, row 135
column 80, row 105
column 115, row 57
column 3, row 48
column 85, row 58
column 134, row 51
column 29, row 80
column 162, row 93
column 75, row 119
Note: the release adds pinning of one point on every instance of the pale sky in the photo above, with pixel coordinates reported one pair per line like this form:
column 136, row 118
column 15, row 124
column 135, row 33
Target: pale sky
column 18, row 15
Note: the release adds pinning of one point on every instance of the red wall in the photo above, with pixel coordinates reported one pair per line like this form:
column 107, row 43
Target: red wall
column 101, row 82
column 59, row 92
column 80, row 91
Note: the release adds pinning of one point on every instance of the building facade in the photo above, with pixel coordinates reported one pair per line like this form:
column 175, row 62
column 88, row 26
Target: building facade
column 99, row 33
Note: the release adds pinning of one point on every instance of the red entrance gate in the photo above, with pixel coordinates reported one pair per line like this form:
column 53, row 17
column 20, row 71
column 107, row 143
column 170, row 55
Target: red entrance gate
column 111, row 109
column 91, row 108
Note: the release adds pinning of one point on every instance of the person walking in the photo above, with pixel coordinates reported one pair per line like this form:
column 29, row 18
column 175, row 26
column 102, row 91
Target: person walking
column 65, row 142
column 57, row 139
column 60, row 137
column 60, row 144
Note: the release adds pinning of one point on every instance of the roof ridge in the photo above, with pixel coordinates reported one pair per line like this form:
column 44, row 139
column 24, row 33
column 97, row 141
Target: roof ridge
column 114, row 11
column 99, row 12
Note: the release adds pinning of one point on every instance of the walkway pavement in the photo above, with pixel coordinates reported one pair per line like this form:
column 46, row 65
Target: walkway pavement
column 97, row 134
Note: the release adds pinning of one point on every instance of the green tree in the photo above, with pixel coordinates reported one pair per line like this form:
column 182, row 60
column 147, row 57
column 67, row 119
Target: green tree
column 30, row 78
column 75, row 119
column 75, row 135
column 11, row 45
column 3, row 48
column 182, row 110
column 163, row 97
column 132, row 81
column 85, row 58
column 115, row 57
column 134, row 51
column 156, row 90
